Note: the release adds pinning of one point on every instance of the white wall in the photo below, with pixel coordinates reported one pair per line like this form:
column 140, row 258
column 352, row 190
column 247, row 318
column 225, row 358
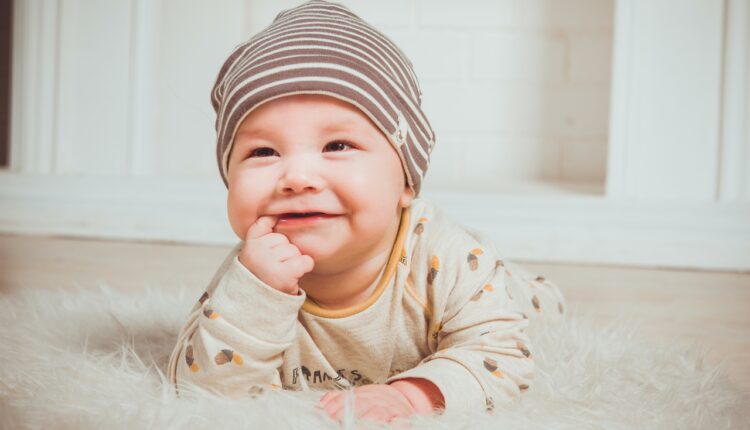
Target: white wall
column 541, row 141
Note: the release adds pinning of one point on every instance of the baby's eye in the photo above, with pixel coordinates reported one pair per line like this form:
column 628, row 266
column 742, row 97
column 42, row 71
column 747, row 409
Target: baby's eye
column 339, row 145
column 261, row 152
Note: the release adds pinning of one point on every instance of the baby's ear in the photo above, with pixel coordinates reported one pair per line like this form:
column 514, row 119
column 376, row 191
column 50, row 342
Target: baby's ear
column 407, row 197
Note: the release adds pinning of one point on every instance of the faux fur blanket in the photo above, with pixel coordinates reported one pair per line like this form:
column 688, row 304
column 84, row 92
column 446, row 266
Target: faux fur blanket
column 97, row 359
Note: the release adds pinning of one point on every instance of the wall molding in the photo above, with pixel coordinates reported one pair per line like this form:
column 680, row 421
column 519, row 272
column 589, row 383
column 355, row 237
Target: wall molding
column 666, row 100
column 572, row 228
column 619, row 108
column 734, row 182
column 143, row 110
column 35, row 81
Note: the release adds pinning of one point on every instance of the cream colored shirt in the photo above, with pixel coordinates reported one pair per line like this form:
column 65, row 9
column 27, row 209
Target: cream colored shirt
column 446, row 308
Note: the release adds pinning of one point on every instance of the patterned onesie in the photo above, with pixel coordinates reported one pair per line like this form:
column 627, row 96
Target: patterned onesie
column 446, row 307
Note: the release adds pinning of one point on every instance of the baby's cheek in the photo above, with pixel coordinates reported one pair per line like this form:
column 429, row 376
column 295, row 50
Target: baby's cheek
column 240, row 216
column 358, row 180
column 238, row 227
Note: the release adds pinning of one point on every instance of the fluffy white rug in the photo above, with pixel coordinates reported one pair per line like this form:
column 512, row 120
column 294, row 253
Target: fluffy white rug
column 96, row 359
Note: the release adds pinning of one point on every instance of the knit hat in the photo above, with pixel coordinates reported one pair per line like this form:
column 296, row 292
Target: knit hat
column 324, row 48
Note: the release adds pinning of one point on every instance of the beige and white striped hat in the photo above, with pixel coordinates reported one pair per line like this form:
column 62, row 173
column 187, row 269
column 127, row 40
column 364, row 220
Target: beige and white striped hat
column 323, row 48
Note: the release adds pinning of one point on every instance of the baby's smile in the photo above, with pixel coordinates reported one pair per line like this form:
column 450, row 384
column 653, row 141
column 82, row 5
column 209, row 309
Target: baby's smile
column 303, row 220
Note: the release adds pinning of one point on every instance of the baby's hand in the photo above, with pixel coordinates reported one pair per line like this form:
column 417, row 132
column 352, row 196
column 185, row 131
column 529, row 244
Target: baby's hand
column 272, row 258
column 380, row 402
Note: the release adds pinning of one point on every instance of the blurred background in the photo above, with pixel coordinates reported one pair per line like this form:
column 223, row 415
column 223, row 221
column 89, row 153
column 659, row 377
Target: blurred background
column 584, row 131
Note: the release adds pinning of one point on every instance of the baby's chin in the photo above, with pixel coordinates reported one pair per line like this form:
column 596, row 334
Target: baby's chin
column 326, row 256
column 317, row 250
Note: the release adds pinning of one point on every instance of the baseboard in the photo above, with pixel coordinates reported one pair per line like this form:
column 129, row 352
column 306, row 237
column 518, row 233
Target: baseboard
column 542, row 227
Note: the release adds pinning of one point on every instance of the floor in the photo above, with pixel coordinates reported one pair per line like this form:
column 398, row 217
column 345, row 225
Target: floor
column 695, row 307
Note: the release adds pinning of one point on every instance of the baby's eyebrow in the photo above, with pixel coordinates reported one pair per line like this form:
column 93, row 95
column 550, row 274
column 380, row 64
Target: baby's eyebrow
column 340, row 126
column 259, row 132
column 271, row 132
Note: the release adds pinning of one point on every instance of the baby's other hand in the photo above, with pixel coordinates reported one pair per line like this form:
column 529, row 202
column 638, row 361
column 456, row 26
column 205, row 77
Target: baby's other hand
column 379, row 402
column 272, row 258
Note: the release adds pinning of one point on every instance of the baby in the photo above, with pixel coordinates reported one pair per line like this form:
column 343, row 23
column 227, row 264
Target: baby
column 344, row 278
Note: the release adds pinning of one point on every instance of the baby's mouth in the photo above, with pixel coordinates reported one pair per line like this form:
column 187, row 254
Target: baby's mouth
column 303, row 219
column 303, row 215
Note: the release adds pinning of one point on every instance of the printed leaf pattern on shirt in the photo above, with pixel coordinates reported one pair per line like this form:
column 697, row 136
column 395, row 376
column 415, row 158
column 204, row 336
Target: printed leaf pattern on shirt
column 226, row 356
column 491, row 366
column 434, row 269
column 535, row 302
column 255, row 390
column 190, row 360
column 499, row 264
column 525, row 351
column 419, row 228
column 472, row 258
column 487, row 288
column 537, row 305
column 203, row 298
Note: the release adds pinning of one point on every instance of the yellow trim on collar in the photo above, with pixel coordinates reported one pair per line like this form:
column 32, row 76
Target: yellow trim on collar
column 312, row 308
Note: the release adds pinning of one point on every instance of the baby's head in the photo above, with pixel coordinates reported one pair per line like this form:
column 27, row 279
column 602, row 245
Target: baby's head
column 320, row 112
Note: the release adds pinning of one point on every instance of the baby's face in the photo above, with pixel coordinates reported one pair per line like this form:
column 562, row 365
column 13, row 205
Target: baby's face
column 315, row 153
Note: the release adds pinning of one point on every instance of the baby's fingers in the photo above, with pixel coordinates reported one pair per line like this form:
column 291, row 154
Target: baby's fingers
column 379, row 413
column 284, row 252
column 361, row 407
column 333, row 404
column 328, row 397
column 261, row 227
column 300, row 265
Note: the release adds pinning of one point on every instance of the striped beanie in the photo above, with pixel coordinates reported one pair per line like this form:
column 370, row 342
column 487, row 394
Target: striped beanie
column 324, row 48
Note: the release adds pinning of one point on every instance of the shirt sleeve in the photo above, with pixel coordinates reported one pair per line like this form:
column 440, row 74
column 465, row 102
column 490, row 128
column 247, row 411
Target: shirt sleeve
column 482, row 354
column 234, row 338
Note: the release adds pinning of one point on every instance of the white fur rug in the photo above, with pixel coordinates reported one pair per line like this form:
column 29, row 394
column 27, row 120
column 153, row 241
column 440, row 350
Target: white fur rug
column 96, row 359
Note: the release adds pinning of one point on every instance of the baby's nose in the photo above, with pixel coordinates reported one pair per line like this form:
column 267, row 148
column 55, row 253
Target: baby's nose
column 300, row 175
